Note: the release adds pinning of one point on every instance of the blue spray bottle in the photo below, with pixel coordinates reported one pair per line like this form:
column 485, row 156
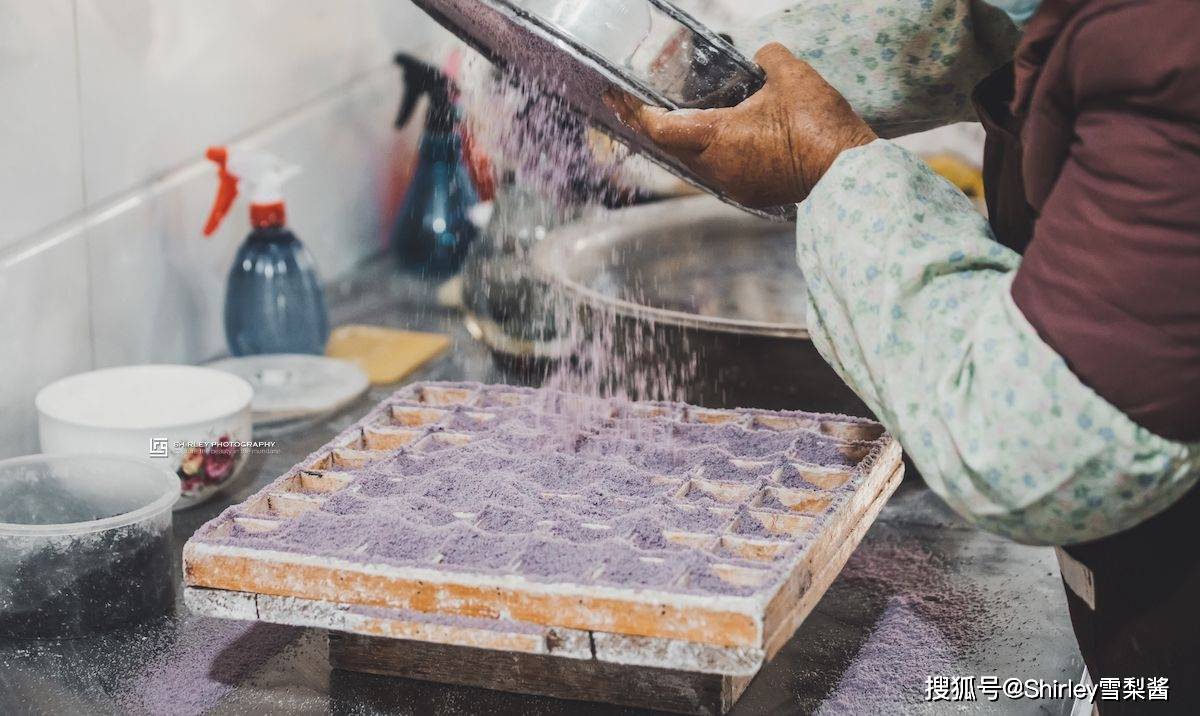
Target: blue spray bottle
column 273, row 300
column 433, row 230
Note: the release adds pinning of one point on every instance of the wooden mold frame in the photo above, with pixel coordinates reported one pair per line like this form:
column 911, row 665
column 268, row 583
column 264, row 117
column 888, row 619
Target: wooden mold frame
column 724, row 634
column 508, row 636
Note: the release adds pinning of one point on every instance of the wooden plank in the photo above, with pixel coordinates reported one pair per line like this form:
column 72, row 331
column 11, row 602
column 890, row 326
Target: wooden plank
column 501, row 636
column 842, row 524
column 689, row 619
column 787, row 626
column 483, row 634
column 678, row 655
column 541, row 675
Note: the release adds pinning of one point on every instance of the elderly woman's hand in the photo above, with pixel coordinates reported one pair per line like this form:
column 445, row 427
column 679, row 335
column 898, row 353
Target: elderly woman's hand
column 769, row 150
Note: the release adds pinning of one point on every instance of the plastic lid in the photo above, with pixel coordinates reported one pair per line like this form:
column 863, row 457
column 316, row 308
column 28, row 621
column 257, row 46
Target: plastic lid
column 44, row 495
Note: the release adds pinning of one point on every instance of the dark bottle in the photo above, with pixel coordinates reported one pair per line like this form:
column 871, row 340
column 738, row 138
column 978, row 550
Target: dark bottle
column 433, row 229
column 273, row 300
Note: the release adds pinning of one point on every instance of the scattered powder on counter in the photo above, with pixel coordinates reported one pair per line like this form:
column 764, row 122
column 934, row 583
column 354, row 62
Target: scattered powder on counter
column 572, row 497
column 928, row 620
column 433, row 618
column 921, row 578
column 891, row 666
column 211, row 658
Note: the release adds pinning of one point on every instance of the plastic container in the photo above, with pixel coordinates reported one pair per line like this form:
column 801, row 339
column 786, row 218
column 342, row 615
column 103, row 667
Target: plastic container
column 192, row 421
column 273, row 298
column 85, row 544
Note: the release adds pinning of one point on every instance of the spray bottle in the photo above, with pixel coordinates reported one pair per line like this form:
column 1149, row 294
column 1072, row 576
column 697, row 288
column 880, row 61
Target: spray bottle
column 273, row 300
column 433, row 230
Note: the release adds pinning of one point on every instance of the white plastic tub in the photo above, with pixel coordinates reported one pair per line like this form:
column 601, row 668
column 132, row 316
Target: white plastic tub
column 187, row 419
column 85, row 544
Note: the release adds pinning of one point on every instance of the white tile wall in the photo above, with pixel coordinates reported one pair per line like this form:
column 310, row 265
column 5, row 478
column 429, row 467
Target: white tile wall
column 101, row 257
column 349, row 151
column 158, row 286
column 45, row 324
column 39, row 123
column 160, row 81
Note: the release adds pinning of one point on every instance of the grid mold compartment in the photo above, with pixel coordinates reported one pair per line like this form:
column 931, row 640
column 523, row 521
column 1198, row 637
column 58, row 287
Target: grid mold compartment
column 685, row 555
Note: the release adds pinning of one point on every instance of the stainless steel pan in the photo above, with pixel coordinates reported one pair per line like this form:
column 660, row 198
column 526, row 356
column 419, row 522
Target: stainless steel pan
column 706, row 293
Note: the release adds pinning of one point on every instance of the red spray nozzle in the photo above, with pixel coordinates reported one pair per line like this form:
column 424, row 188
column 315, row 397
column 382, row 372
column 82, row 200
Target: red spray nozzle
column 226, row 192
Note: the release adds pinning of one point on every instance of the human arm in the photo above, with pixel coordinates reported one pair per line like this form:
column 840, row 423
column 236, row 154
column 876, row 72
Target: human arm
column 909, row 301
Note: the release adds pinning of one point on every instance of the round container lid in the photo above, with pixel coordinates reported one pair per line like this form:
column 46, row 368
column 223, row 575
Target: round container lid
column 291, row 387
column 144, row 397
column 49, row 495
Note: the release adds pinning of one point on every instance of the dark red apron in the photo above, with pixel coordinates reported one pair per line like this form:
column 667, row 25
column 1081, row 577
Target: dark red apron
column 1134, row 597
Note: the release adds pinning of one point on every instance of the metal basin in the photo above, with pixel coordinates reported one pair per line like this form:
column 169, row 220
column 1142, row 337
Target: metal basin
column 703, row 292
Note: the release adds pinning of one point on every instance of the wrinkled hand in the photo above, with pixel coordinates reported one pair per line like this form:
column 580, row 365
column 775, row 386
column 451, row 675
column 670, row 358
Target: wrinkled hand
column 769, row 150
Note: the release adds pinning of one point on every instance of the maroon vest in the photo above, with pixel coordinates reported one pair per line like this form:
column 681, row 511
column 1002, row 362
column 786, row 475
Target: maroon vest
column 1096, row 180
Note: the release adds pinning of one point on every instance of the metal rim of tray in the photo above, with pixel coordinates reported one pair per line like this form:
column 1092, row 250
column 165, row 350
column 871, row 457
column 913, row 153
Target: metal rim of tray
column 550, row 254
column 612, row 72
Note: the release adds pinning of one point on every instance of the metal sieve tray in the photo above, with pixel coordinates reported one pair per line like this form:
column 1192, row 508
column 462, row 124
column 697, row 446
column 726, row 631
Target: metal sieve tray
column 578, row 49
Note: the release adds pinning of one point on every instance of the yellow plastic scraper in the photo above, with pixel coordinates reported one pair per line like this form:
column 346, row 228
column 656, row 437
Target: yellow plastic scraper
column 387, row 355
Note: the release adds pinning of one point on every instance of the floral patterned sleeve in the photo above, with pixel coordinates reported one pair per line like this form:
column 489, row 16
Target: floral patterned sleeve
column 904, row 65
column 909, row 302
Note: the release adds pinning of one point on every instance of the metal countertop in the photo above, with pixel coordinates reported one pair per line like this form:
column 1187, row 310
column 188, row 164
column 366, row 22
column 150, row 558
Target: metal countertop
column 973, row 604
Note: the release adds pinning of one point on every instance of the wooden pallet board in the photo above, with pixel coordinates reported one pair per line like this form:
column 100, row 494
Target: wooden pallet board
column 760, row 532
column 535, row 674
column 530, row 638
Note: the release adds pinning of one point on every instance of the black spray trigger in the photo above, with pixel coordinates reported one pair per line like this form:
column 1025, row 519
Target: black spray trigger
column 422, row 79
